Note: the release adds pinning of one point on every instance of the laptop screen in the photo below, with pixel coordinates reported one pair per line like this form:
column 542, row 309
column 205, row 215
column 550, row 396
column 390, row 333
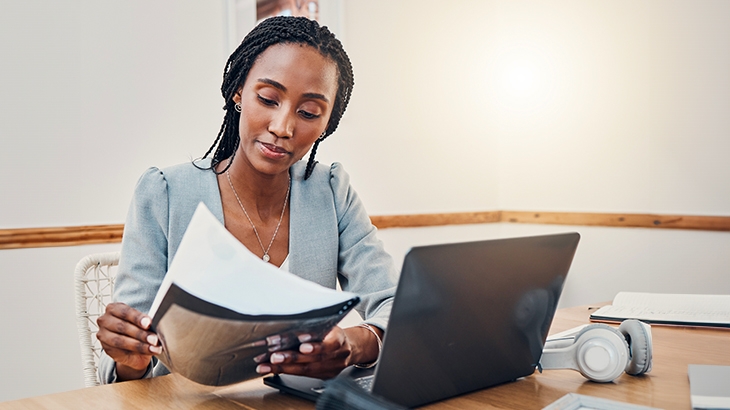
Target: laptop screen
column 471, row 315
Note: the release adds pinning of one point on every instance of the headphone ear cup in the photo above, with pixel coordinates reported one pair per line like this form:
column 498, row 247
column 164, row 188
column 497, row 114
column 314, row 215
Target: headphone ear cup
column 638, row 337
column 602, row 353
column 599, row 352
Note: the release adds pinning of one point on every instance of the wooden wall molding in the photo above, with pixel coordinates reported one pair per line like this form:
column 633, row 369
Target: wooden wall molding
column 417, row 220
column 705, row 223
column 60, row 236
column 96, row 234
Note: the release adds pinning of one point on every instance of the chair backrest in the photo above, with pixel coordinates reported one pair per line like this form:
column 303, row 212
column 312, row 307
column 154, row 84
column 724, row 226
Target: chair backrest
column 94, row 283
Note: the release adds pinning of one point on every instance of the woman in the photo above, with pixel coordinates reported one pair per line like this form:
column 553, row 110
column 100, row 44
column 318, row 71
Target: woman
column 286, row 88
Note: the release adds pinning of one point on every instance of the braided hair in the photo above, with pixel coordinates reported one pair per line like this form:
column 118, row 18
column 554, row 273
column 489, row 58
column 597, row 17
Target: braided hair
column 278, row 30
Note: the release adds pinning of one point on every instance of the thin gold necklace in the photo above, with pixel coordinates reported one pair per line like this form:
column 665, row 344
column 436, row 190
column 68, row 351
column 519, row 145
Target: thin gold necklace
column 276, row 231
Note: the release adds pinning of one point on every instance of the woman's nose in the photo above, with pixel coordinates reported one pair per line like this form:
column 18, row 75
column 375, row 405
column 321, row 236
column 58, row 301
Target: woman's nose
column 282, row 124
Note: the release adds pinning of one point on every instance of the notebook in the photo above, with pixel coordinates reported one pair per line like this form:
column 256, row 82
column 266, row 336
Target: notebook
column 466, row 316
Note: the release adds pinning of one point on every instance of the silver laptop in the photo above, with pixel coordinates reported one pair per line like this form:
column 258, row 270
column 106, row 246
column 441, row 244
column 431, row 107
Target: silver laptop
column 466, row 316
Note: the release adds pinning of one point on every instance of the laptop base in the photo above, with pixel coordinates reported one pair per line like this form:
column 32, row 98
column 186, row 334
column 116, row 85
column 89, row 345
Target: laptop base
column 309, row 388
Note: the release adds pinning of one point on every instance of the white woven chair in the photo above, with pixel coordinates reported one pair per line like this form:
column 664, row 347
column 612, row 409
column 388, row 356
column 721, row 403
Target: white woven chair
column 94, row 282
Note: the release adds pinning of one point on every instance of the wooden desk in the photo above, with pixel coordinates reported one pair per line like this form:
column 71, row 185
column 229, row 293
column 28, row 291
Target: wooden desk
column 667, row 386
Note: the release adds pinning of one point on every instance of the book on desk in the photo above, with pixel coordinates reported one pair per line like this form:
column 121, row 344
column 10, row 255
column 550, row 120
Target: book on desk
column 668, row 309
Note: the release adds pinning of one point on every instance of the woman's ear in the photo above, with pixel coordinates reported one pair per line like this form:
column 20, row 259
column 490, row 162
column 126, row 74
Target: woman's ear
column 237, row 96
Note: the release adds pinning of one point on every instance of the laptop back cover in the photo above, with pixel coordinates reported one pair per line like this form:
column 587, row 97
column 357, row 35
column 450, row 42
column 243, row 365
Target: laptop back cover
column 471, row 315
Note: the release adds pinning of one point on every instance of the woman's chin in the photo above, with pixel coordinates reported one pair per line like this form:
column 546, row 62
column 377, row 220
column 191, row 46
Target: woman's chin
column 272, row 167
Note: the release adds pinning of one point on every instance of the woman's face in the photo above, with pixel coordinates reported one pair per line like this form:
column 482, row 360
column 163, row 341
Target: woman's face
column 286, row 104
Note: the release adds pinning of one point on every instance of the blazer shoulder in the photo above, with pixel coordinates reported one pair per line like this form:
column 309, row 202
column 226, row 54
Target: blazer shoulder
column 188, row 172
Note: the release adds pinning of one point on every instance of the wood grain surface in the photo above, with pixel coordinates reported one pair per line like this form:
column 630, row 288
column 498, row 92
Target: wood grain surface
column 666, row 386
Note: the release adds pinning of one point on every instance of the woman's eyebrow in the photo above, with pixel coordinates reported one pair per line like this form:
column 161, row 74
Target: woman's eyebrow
column 316, row 96
column 272, row 83
column 281, row 87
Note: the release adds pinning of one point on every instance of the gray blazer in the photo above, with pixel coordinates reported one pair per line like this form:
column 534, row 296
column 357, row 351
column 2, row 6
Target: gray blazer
column 330, row 239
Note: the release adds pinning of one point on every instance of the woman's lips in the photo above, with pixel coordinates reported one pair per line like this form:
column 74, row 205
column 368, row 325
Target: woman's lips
column 273, row 151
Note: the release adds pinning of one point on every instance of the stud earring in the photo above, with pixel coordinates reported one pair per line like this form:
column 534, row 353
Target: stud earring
column 237, row 107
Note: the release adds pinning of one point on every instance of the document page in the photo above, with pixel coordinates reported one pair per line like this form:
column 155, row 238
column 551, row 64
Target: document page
column 691, row 309
column 213, row 265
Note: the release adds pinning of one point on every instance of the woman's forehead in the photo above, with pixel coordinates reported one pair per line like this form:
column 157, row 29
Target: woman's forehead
column 296, row 65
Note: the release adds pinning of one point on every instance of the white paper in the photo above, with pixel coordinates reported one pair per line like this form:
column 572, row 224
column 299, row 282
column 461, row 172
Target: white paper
column 213, row 265
column 687, row 308
column 574, row 401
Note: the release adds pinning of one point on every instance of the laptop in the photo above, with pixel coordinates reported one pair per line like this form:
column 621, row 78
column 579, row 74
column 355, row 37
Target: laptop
column 466, row 316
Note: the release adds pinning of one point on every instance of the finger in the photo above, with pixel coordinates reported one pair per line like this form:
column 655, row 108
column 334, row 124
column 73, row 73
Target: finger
column 288, row 340
column 114, row 325
column 290, row 356
column 293, row 356
column 280, row 341
column 316, row 355
column 317, row 368
column 310, row 348
column 306, row 353
column 264, row 357
column 130, row 314
column 273, row 340
column 320, row 351
column 112, row 340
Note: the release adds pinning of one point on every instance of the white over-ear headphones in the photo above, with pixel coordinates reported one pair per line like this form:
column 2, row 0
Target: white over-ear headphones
column 602, row 353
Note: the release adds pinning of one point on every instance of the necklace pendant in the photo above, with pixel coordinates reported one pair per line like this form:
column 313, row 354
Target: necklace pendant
column 266, row 257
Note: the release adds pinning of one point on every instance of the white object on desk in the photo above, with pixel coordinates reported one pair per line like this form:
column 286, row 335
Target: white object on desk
column 566, row 334
column 665, row 308
column 573, row 401
column 600, row 352
column 709, row 386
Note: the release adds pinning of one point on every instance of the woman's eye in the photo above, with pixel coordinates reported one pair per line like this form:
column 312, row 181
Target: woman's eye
column 308, row 115
column 267, row 101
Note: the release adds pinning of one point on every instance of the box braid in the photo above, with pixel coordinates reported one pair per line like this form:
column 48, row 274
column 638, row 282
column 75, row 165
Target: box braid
column 278, row 30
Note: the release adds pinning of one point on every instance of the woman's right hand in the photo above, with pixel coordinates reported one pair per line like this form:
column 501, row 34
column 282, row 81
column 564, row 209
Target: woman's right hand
column 124, row 335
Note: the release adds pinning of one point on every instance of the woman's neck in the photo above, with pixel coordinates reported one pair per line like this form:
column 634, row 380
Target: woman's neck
column 263, row 192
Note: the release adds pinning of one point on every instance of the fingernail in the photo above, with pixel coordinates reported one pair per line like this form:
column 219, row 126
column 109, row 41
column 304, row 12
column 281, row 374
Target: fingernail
column 145, row 322
column 277, row 358
column 306, row 348
column 263, row 369
column 273, row 340
column 152, row 339
column 260, row 358
column 305, row 338
column 156, row 349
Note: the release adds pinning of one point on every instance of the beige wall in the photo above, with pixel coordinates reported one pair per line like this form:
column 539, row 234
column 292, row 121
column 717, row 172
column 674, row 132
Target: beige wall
column 606, row 106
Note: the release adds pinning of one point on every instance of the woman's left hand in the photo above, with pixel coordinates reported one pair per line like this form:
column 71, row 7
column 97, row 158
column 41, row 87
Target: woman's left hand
column 326, row 359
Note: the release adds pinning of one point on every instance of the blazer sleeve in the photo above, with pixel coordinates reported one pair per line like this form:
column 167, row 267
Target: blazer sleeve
column 364, row 267
column 143, row 262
